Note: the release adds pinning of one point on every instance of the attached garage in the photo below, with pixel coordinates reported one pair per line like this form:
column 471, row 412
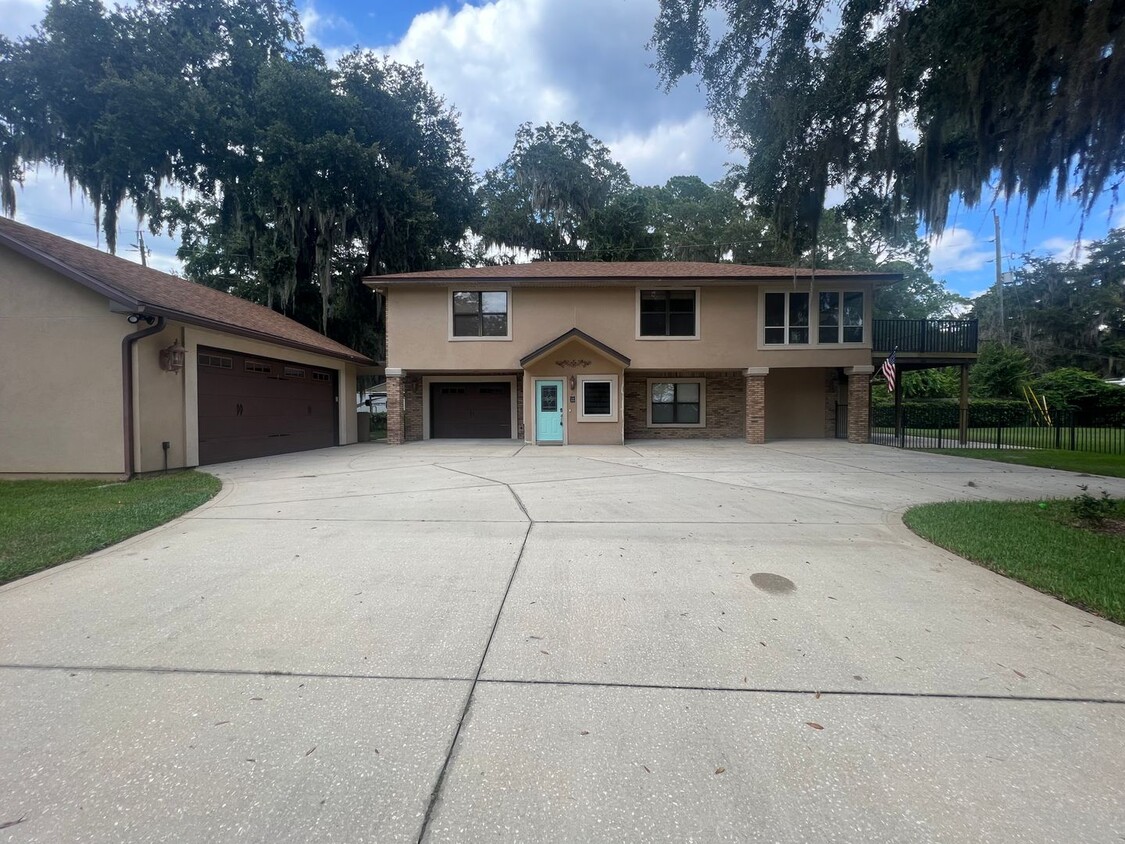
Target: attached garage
column 471, row 410
column 255, row 406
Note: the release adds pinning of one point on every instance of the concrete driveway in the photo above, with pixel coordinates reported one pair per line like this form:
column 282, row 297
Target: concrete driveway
column 466, row 642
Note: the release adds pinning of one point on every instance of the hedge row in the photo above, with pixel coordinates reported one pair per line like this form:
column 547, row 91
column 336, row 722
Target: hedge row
column 946, row 413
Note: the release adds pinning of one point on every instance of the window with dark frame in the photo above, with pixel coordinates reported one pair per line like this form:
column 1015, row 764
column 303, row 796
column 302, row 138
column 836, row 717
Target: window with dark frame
column 668, row 313
column 480, row 313
column 676, row 403
column 597, row 398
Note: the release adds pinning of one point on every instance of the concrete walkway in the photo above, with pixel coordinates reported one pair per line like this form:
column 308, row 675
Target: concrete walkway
column 480, row 641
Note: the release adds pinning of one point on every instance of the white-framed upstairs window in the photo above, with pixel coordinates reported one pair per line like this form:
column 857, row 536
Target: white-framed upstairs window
column 597, row 398
column 824, row 318
column 787, row 318
column 480, row 315
column 839, row 316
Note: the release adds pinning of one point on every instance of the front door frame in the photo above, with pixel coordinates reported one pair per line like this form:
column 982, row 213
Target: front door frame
column 562, row 408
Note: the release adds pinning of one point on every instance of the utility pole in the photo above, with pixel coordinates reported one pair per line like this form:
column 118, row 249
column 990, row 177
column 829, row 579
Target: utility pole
column 999, row 281
column 140, row 247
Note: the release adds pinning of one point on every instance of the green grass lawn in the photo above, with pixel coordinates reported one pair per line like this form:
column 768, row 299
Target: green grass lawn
column 1112, row 465
column 1043, row 548
column 44, row 523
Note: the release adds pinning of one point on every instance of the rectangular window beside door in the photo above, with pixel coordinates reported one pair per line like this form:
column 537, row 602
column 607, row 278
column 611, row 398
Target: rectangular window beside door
column 597, row 397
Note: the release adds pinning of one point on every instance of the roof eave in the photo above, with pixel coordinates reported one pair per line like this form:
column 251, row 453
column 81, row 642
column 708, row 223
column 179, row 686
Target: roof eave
column 265, row 337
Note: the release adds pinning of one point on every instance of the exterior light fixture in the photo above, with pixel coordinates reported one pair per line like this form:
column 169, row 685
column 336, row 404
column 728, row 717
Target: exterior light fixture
column 172, row 358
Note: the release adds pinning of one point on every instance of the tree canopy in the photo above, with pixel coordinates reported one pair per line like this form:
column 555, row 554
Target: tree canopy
column 1064, row 314
column 294, row 178
column 906, row 105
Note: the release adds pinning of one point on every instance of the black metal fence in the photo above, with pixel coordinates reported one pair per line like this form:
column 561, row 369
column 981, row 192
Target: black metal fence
column 924, row 336
column 1071, row 431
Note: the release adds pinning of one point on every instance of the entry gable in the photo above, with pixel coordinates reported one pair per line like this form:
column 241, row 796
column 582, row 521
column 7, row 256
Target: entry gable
column 575, row 335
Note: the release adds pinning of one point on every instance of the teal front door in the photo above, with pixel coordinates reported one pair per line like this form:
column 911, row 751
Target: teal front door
column 549, row 411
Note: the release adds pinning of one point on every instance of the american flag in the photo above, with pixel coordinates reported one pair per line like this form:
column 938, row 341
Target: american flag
column 889, row 371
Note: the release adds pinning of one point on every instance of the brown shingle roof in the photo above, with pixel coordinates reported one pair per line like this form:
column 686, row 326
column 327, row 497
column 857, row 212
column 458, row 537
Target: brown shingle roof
column 153, row 292
column 610, row 271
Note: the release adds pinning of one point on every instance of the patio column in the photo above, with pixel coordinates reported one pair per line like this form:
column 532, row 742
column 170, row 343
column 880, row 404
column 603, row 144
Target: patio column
column 859, row 403
column 963, row 413
column 396, row 408
column 756, row 404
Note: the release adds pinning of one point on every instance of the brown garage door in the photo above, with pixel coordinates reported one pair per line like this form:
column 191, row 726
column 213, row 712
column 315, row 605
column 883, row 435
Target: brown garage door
column 471, row 410
column 253, row 407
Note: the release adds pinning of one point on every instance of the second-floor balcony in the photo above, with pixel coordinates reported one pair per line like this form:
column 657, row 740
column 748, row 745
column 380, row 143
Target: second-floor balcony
column 935, row 338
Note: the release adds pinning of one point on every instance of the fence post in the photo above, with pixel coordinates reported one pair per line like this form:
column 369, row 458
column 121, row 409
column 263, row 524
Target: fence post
column 1073, row 433
column 939, row 432
column 1058, row 436
column 998, row 435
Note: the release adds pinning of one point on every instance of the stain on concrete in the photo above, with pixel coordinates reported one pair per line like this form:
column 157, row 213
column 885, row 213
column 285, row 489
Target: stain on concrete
column 774, row 584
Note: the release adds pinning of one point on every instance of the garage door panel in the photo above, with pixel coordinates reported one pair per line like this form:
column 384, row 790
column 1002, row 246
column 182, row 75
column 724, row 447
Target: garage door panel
column 247, row 411
column 471, row 410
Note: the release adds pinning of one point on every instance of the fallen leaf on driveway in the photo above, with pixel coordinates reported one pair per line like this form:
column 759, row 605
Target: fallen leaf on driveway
column 220, row 723
column 7, row 824
column 719, row 771
column 647, row 771
column 814, row 725
column 818, row 696
column 1021, row 676
column 310, row 750
column 548, row 653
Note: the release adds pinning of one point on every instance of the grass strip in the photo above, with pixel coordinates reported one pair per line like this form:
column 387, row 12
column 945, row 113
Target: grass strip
column 44, row 523
column 1111, row 465
column 1042, row 547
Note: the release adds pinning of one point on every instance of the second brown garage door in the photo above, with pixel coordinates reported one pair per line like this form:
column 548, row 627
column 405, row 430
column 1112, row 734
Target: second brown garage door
column 471, row 410
column 254, row 407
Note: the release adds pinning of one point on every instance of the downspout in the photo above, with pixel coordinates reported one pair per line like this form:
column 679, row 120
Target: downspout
column 127, row 385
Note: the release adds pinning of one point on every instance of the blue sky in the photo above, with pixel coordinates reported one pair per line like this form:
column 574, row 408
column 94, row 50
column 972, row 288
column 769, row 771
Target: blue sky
column 504, row 62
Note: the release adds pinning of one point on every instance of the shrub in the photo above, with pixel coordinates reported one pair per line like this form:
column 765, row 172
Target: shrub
column 1076, row 389
column 1092, row 509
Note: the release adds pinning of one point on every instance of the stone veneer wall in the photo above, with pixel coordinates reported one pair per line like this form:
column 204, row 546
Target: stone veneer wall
column 724, row 414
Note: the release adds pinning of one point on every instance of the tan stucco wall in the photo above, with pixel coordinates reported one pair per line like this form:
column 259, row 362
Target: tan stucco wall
column 795, row 404
column 60, row 382
column 60, row 374
column 561, row 363
column 418, row 331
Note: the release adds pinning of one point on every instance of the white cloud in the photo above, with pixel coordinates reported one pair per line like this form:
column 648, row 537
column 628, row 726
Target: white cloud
column 958, row 250
column 1066, row 249
column 510, row 61
column 1118, row 218
column 18, row 16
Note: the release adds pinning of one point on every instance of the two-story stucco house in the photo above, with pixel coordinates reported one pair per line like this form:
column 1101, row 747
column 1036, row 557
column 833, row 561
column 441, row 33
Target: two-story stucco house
column 599, row 353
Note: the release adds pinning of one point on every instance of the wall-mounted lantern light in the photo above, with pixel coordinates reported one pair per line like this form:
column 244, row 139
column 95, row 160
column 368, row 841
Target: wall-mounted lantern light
column 573, row 382
column 172, row 358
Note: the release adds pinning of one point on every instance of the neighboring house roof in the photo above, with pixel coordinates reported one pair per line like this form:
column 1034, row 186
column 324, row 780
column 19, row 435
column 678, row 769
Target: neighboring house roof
column 602, row 272
column 574, row 334
column 148, row 291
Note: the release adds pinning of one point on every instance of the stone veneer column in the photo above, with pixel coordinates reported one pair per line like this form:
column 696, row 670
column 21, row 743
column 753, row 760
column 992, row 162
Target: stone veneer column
column 859, row 403
column 396, row 424
column 756, row 404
